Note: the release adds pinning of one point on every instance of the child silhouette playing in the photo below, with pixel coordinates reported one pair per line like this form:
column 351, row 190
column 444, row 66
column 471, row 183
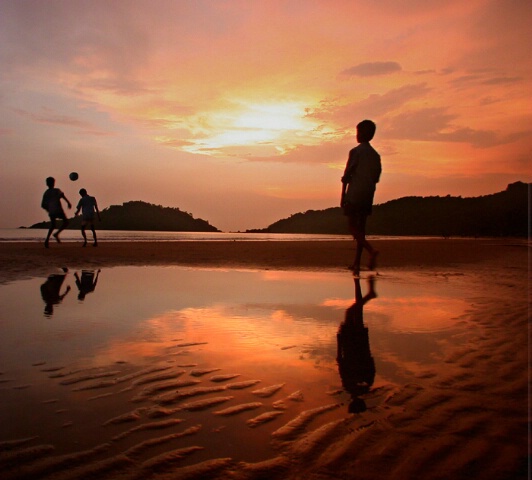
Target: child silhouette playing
column 51, row 202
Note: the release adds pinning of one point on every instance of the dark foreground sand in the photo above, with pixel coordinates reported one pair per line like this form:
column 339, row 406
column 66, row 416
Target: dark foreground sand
column 29, row 259
column 467, row 420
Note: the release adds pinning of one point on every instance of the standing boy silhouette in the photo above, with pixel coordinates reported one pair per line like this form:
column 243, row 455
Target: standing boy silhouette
column 362, row 173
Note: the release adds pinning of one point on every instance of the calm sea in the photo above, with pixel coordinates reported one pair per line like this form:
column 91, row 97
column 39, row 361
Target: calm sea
column 38, row 235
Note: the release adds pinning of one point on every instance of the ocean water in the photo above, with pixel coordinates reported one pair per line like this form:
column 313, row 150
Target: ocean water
column 38, row 235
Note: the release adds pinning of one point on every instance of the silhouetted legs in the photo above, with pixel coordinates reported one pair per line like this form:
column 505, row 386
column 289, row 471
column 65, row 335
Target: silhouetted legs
column 357, row 227
column 83, row 227
column 52, row 228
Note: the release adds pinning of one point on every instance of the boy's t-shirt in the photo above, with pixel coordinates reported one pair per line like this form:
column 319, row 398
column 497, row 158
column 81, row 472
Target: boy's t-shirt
column 51, row 201
column 363, row 170
column 88, row 207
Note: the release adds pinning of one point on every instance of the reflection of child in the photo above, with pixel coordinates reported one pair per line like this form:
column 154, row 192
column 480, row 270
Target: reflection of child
column 87, row 283
column 88, row 207
column 355, row 362
column 51, row 291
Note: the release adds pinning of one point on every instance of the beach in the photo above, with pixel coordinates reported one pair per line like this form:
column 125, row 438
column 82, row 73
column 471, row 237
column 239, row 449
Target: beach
column 31, row 258
column 464, row 417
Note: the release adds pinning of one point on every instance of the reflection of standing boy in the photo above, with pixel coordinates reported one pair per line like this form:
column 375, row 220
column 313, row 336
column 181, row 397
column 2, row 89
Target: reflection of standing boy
column 89, row 208
column 361, row 175
column 355, row 362
column 51, row 202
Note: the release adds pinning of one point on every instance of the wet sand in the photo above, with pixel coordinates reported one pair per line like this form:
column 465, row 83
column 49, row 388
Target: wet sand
column 20, row 260
column 466, row 418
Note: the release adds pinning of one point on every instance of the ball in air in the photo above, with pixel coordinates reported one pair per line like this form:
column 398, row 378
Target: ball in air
column 73, row 176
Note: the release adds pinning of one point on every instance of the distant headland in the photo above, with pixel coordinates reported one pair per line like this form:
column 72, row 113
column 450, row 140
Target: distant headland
column 503, row 214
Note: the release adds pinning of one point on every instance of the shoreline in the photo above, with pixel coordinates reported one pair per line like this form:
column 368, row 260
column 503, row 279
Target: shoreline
column 31, row 258
column 26, row 259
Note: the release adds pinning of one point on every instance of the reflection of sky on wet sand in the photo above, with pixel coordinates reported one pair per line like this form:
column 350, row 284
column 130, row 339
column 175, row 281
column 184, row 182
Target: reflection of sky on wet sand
column 273, row 326
column 141, row 309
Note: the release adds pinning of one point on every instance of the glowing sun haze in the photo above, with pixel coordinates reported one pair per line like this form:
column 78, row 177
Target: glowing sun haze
column 243, row 112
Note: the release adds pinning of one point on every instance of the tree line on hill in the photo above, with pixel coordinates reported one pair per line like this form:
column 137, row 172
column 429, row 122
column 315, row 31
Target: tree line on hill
column 505, row 213
column 138, row 215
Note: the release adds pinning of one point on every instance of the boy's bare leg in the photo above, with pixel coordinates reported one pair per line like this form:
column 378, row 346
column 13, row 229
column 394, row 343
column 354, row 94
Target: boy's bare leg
column 357, row 226
column 95, row 244
column 61, row 228
column 46, row 242
column 84, row 236
column 50, row 230
column 358, row 257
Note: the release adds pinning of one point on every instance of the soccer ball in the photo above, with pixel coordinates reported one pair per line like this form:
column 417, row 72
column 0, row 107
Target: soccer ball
column 73, row 176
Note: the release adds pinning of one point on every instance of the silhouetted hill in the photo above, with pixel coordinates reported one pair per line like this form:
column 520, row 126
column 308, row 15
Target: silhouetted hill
column 500, row 214
column 143, row 216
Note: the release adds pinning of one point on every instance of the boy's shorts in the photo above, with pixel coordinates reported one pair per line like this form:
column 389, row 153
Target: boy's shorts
column 358, row 203
column 60, row 215
column 86, row 221
column 361, row 207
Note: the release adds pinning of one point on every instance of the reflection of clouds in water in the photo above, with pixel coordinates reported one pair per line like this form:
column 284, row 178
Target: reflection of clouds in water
column 142, row 311
column 340, row 303
column 299, row 277
column 410, row 314
column 418, row 314
column 413, row 303
column 259, row 331
column 231, row 333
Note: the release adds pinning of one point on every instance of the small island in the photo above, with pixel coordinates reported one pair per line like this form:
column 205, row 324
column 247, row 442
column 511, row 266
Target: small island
column 143, row 216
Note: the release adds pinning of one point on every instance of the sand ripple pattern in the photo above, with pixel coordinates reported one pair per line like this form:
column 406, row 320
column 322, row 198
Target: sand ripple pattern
column 154, row 435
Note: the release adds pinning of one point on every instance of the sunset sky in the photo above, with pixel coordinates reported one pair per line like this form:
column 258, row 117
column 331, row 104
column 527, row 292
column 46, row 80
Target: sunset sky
column 242, row 112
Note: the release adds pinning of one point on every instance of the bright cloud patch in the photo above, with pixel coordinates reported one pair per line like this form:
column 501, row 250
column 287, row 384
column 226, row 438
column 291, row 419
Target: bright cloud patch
column 268, row 129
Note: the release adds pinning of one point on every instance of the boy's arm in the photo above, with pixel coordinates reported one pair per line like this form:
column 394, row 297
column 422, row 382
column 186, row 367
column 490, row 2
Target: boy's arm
column 342, row 197
column 97, row 211
column 378, row 171
column 66, row 200
column 348, row 174
column 345, row 182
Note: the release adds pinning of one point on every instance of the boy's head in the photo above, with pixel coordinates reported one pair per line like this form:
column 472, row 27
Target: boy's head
column 50, row 182
column 83, row 192
column 366, row 131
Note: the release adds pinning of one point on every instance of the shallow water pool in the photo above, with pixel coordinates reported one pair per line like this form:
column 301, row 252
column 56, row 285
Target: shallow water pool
column 147, row 360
